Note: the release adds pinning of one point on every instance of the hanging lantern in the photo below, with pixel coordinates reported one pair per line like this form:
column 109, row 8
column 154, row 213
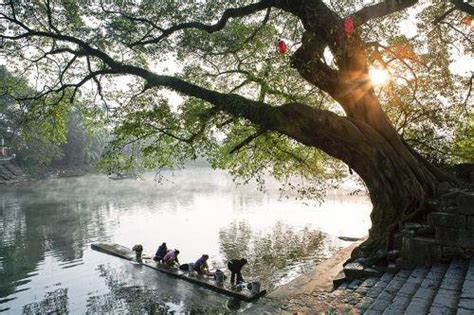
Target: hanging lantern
column 282, row 47
column 467, row 20
column 349, row 26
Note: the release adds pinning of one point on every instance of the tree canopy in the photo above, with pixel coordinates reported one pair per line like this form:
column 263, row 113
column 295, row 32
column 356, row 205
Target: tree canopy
column 252, row 110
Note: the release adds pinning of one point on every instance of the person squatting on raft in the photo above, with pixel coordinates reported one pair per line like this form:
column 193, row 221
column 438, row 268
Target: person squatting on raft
column 160, row 253
column 171, row 257
column 235, row 267
column 138, row 249
column 201, row 266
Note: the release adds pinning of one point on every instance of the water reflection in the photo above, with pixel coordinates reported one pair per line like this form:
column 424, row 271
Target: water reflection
column 30, row 230
column 137, row 290
column 272, row 255
column 123, row 298
column 55, row 302
column 46, row 229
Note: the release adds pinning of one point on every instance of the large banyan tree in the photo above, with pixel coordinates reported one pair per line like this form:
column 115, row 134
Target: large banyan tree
column 182, row 79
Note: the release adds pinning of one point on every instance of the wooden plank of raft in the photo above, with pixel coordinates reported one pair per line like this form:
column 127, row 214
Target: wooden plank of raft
column 126, row 253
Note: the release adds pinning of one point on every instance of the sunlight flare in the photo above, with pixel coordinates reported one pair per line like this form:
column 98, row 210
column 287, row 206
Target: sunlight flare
column 379, row 76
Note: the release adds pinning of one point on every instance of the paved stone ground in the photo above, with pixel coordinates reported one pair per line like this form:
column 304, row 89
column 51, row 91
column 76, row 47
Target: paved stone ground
column 443, row 288
column 438, row 289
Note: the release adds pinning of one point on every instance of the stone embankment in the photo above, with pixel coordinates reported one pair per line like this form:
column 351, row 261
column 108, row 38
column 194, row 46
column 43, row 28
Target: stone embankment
column 10, row 173
column 447, row 234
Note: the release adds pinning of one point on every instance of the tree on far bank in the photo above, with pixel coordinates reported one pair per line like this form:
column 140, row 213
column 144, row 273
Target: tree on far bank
column 254, row 110
column 45, row 137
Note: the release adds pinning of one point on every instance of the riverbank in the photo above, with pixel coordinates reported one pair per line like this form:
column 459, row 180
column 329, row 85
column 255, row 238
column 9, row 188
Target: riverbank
column 11, row 173
column 313, row 292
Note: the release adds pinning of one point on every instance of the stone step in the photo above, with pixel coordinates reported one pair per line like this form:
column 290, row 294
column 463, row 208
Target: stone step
column 426, row 292
column 384, row 299
column 404, row 296
column 372, row 293
column 448, row 295
column 358, row 289
column 466, row 300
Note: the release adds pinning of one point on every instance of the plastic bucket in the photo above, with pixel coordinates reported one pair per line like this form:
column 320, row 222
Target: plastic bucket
column 255, row 287
column 219, row 277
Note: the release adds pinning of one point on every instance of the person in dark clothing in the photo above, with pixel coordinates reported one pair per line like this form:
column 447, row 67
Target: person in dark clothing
column 235, row 267
column 160, row 253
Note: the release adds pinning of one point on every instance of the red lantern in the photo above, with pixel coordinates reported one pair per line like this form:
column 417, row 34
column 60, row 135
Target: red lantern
column 348, row 26
column 467, row 20
column 282, row 47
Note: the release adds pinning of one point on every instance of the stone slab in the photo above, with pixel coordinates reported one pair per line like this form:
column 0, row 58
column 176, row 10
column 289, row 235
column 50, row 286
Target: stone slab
column 470, row 223
column 372, row 312
column 468, row 290
column 354, row 270
column 447, row 220
column 467, row 304
column 379, row 305
column 370, row 282
column 441, row 310
column 451, row 284
column 421, row 250
column 393, row 311
column 446, row 298
column 447, row 236
column 455, row 237
column 365, row 303
column 386, row 278
column 466, row 239
column 417, row 307
column 465, row 202
column 376, row 289
column 408, row 289
column 451, row 252
column 463, row 311
column 354, row 284
column 426, row 294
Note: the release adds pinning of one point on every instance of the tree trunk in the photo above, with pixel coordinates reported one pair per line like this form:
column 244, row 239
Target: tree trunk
column 399, row 181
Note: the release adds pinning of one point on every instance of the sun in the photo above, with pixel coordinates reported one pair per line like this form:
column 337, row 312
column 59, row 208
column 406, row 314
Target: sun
column 379, row 76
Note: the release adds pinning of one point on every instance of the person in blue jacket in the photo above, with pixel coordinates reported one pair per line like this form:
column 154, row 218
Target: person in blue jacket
column 160, row 253
column 201, row 266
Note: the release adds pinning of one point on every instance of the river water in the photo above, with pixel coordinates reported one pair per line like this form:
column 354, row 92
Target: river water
column 46, row 229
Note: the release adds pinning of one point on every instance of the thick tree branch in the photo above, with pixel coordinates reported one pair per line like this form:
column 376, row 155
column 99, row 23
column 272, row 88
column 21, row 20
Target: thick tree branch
column 463, row 5
column 307, row 125
column 210, row 28
column 443, row 16
column 380, row 10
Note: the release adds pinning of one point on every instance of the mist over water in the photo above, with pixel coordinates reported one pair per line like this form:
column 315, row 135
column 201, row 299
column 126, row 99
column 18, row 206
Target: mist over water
column 46, row 229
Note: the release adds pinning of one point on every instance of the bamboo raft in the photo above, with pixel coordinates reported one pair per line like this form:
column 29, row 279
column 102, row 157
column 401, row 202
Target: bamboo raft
column 126, row 253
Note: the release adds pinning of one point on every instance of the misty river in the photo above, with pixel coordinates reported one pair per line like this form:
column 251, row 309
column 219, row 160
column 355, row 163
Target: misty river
column 47, row 227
